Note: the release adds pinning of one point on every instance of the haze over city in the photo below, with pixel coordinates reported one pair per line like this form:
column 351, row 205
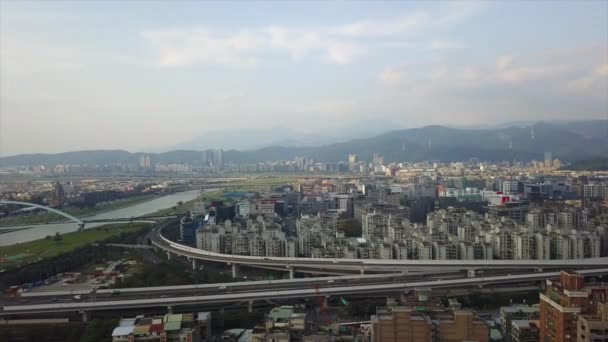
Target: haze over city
column 303, row 171
column 153, row 76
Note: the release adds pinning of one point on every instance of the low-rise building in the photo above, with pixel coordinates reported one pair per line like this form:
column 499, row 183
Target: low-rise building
column 170, row 327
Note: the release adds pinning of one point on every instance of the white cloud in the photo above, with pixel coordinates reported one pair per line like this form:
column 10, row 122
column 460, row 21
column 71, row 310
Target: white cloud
column 453, row 12
column 404, row 24
column 569, row 70
column 395, row 76
column 439, row 44
column 504, row 62
column 338, row 44
column 183, row 47
column 301, row 42
column 532, row 73
column 27, row 55
column 297, row 42
column 593, row 82
column 343, row 53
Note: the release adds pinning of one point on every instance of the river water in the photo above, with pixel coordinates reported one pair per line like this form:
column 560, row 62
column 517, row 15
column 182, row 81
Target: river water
column 40, row 231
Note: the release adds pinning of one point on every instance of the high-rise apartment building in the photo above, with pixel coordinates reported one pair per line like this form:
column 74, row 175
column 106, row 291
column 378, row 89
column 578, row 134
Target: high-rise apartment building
column 548, row 159
column 57, row 196
column 352, row 160
column 510, row 187
column 144, row 161
column 592, row 190
column 564, row 302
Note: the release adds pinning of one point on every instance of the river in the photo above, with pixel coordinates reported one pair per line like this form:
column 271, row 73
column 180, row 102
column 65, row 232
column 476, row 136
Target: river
column 40, row 231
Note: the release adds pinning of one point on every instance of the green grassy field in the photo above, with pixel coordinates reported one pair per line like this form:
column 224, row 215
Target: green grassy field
column 47, row 248
column 46, row 217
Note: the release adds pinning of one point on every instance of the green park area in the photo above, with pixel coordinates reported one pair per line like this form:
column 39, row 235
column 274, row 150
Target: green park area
column 52, row 246
column 48, row 217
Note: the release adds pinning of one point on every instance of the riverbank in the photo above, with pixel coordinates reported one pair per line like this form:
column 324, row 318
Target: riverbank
column 10, row 230
column 136, row 210
column 37, row 250
column 49, row 218
column 181, row 209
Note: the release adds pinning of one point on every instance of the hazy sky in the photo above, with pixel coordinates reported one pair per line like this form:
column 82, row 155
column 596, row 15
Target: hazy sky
column 143, row 74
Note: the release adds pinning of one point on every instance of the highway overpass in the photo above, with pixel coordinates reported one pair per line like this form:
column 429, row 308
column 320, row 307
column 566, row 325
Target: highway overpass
column 327, row 289
column 366, row 265
column 240, row 286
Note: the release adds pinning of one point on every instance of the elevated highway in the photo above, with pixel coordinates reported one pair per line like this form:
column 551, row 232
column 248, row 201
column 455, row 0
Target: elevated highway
column 328, row 289
column 368, row 265
column 233, row 287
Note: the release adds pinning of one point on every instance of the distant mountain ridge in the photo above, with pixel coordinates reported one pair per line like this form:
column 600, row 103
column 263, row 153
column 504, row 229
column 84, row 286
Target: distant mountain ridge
column 283, row 136
column 569, row 141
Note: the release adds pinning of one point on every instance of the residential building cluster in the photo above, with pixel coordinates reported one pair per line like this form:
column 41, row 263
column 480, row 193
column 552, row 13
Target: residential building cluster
column 569, row 310
column 404, row 220
column 195, row 327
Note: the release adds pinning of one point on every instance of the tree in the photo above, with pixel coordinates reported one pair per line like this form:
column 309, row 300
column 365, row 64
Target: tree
column 350, row 227
column 58, row 237
column 98, row 329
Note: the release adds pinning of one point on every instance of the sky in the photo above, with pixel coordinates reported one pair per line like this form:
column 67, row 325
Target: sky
column 143, row 75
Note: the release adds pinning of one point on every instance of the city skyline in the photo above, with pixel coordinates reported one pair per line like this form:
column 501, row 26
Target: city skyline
column 169, row 74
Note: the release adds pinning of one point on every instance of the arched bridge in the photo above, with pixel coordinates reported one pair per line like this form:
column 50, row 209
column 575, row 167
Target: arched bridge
column 80, row 222
column 53, row 210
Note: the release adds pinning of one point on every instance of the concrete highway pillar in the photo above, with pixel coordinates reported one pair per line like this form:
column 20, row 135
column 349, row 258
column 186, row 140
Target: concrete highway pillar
column 291, row 271
column 325, row 298
column 169, row 309
column 222, row 311
column 85, row 316
column 168, row 256
column 471, row 273
column 362, row 270
column 234, row 271
column 250, row 306
column 194, row 264
column 539, row 269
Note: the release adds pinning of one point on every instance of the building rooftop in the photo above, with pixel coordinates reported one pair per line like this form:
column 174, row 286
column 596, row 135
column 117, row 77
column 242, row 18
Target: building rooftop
column 281, row 314
column 156, row 328
column 172, row 326
column 123, row 330
column 520, row 308
column 173, row 317
column 127, row 322
column 141, row 329
column 521, row 323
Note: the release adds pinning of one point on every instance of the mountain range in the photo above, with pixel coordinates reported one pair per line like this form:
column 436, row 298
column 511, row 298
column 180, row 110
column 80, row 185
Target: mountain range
column 568, row 141
column 282, row 136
